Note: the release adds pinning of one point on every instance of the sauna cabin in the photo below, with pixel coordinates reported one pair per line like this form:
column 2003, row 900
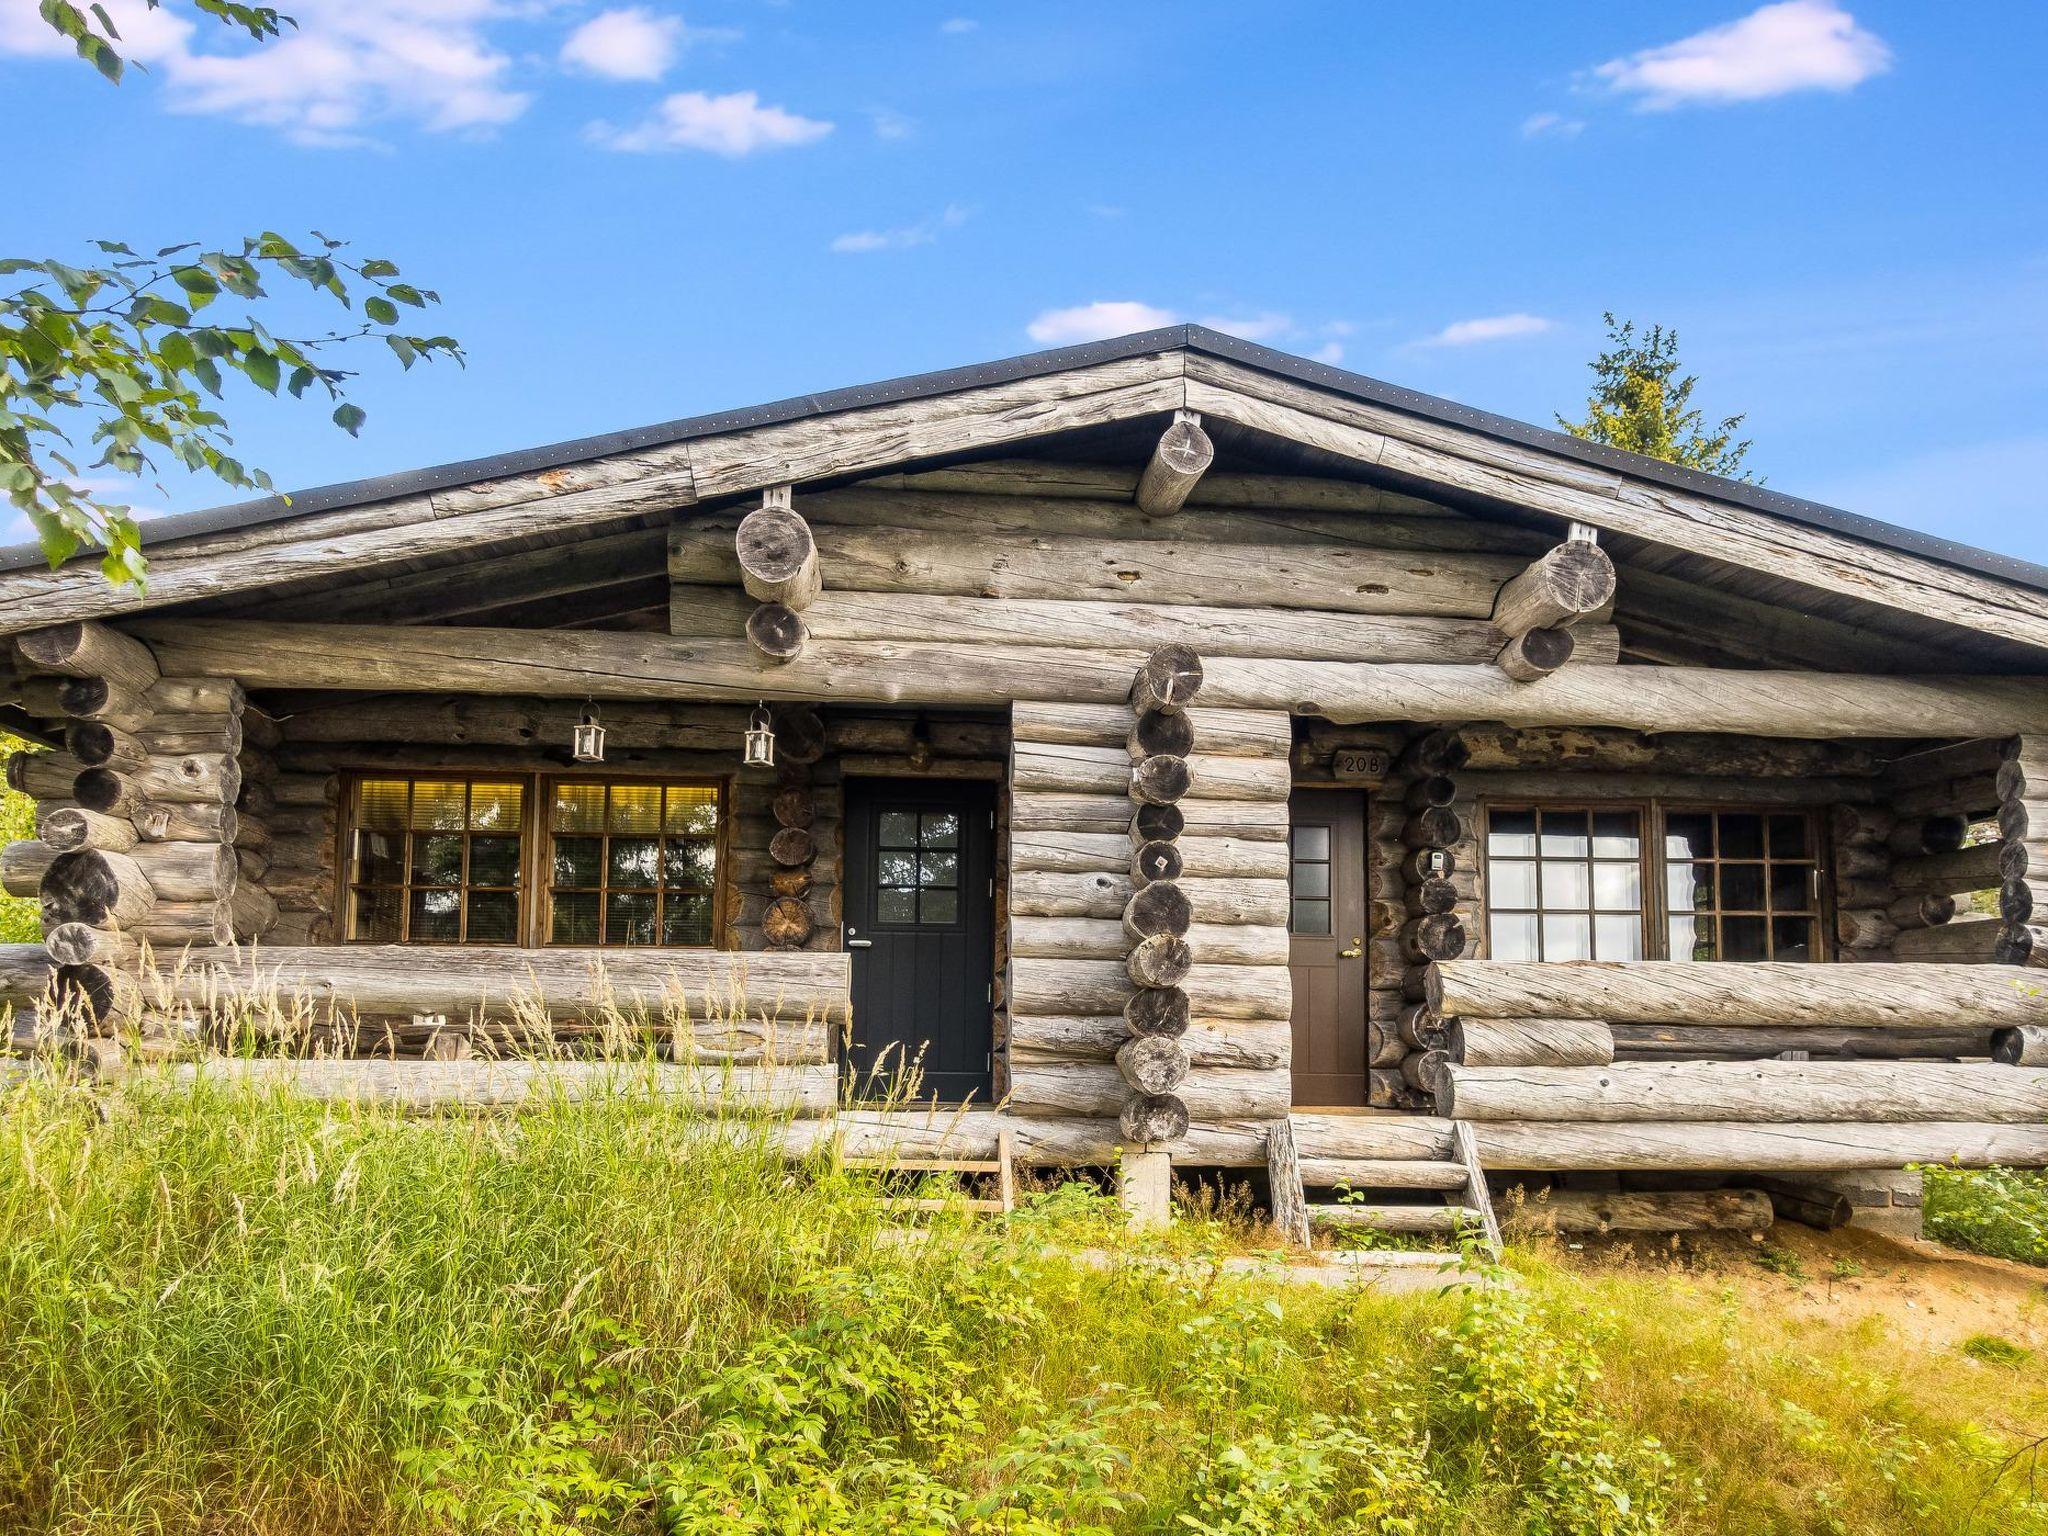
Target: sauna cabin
column 1164, row 747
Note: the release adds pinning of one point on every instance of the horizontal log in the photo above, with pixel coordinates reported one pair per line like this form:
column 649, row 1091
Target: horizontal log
column 1040, row 565
column 1746, row 1147
column 83, row 944
column 1761, row 993
column 173, row 926
column 1254, row 1044
column 66, row 827
column 481, row 1083
column 97, row 888
column 89, row 650
column 1057, row 987
column 1678, row 754
column 1221, row 732
column 1753, row 1042
column 1529, row 1042
column 1092, row 938
column 1966, row 869
column 1759, row 1091
column 1066, row 769
column 1412, row 1220
column 1937, row 764
column 1603, row 1211
column 43, row 775
column 1971, row 938
column 393, row 979
column 1241, row 820
column 1568, row 582
column 1103, row 895
column 1522, row 784
column 25, row 972
column 186, row 871
column 23, row 865
column 1094, row 1089
column 99, row 745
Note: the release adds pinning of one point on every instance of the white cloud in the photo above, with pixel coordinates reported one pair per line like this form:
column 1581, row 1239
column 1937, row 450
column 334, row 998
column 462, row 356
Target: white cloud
column 348, row 65
column 732, row 125
column 1094, row 322
column 1551, row 125
column 630, row 44
column 902, row 238
column 1328, row 352
column 891, row 124
column 959, row 26
column 1263, row 327
column 1466, row 333
column 1794, row 45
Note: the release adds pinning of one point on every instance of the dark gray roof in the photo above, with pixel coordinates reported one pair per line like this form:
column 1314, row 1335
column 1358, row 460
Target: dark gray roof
column 1193, row 338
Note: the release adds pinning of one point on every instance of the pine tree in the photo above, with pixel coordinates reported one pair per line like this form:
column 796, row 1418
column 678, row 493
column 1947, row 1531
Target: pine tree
column 1640, row 403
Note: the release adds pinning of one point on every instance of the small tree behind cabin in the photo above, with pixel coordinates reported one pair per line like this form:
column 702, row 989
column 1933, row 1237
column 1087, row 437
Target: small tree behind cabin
column 1641, row 403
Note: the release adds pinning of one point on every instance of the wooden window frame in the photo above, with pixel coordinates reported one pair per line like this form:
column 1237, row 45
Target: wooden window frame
column 1823, row 875
column 1646, row 827
column 536, row 836
column 1654, row 863
column 346, row 857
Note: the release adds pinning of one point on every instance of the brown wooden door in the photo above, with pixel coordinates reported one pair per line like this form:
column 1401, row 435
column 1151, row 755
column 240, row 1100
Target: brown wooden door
column 1326, row 945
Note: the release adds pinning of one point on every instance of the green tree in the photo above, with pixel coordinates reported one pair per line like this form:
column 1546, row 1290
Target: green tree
column 103, row 365
column 1639, row 402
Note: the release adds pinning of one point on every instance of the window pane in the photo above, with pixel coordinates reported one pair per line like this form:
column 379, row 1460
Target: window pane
column 1788, row 837
column 939, row 869
column 633, row 861
column 436, row 917
column 1617, row 938
column 692, row 809
column 941, row 906
column 939, row 829
column 686, row 919
column 1311, row 918
column 578, row 861
column 689, row 862
column 493, row 917
column 494, row 861
column 1792, row 938
column 1514, row 937
column 1511, row 833
column 1617, row 887
column 895, row 906
column 1742, row 835
column 1791, row 887
column 1615, row 835
column 1567, row 937
column 1689, row 886
column 899, row 829
column 576, row 918
column 897, row 869
column 1742, row 889
column 1692, row 938
column 636, row 808
column 1566, row 884
column 380, row 857
column 377, row 916
column 1511, row 882
column 578, row 808
column 1564, row 834
column 629, row 917
column 496, row 807
column 1744, row 938
column 1312, row 843
column 1312, row 880
column 380, row 803
column 439, row 805
column 437, row 860
column 1689, row 835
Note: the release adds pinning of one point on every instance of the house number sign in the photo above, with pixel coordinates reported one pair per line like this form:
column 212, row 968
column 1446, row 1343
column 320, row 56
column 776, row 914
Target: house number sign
column 1359, row 765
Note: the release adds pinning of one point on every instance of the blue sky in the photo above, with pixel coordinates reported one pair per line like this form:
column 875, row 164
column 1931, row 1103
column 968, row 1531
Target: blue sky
column 636, row 212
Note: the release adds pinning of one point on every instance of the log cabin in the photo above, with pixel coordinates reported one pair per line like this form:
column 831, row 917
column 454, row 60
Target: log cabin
column 1166, row 752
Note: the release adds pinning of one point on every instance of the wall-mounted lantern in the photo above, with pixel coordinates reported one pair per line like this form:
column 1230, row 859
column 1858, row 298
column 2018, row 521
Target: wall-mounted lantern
column 760, row 739
column 589, row 746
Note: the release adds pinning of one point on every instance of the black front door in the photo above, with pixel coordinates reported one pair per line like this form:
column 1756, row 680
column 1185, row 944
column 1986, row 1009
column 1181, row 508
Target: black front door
column 919, row 905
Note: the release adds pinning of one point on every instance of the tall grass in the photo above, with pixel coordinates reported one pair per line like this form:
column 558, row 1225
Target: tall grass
column 229, row 1311
column 1999, row 1211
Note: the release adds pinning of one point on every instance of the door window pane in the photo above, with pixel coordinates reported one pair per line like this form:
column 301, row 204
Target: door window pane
column 1308, row 878
column 435, row 860
column 1550, row 871
column 1750, row 888
column 633, row 863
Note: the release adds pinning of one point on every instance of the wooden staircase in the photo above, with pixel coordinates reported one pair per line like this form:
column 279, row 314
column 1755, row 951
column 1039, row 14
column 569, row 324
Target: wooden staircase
column 1441, row 1196
column 1002, row 1168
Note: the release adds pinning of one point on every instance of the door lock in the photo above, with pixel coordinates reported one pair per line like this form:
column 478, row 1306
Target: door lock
column 1357, row 948
column 853, row 943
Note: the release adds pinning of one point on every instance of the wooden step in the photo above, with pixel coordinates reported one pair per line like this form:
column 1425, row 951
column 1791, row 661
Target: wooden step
column 1381, row 1173
column 1430, row 1219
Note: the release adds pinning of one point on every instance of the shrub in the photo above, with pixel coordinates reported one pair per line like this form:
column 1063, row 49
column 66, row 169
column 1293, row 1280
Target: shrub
column 1999, row 1211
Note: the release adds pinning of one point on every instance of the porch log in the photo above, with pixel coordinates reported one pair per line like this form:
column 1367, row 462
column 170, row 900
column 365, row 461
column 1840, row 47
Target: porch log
column 1528, row 1042
column 1091, row 1088
column 89, row 650
column 777, row 631
column 175, row 735
column 1055, row 987
column 1091, row 938
column 1167, row 680
column 1966, row 869
column 1760, row 1091
column 1253, row 1044
column 2026, row 1046
column 1746, row 1147
column 1602, row 1211
column 1222, row 732
column 1769, row 993
column 777, row 554
column 1183, row 455
column 787, row 990
column 1977, row 794
column 1819, row 1041
column 1535, row 654
column 1570, row 581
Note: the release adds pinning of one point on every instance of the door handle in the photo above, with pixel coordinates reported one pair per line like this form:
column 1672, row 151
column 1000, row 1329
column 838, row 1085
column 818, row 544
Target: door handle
column 860, row 943
column 1357, row 948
